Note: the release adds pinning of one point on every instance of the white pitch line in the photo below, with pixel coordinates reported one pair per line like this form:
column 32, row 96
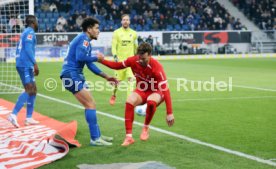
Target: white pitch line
column 225, row 98
column 220, row 148
column 237, row 86
column 196, row 141
column 214, row 99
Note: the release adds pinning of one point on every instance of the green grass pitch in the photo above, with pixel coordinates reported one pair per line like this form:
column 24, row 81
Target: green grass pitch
column 243, row 119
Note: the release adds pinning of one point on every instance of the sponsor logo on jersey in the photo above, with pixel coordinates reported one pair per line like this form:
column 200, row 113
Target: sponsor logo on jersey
column 30, row 37
column 85, row 43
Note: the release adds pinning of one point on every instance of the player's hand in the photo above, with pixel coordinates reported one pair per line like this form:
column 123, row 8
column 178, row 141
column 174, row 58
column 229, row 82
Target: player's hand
column 170, row 120
column 115, row 58
column 112, row 80
column 36, row 70
column 100, row 57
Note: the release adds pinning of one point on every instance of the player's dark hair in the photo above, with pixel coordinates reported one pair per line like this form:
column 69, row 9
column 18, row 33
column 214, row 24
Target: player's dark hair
column 144, row 48
column 89, row 22
column 124, row 16
column 30, row 19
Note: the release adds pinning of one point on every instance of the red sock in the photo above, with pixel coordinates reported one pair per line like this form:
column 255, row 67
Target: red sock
column 129, row 117
column 151, row 108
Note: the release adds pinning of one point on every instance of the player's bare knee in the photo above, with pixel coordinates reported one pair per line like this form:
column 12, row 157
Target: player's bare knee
column 154, row 97
column 29, row 91
column 90, row 105
column 33, row 91
column 131, row 101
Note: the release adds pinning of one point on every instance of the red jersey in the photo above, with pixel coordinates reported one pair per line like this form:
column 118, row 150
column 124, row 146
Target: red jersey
column 152, row 77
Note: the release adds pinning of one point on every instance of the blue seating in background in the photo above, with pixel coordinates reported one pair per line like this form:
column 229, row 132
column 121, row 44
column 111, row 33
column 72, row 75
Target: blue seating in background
column 79, row 5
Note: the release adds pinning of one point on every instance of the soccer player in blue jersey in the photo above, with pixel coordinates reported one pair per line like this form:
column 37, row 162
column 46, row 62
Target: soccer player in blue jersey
column 27, row 68
column 79, row 55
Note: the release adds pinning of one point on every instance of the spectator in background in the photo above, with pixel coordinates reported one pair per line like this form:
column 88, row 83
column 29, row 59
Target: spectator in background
column 62, row 21
column 59, row 27
column 155, row 25
column 20, row 22
column 158, row 14
column 260, row 12
column 94, row 9
column 45, row 7
column 83, row 14
column 183, row 47
column 140, row 40
column 12, row 22
column 158, row 48
column 53, row 7
column 18, row 25
column 75, row 15
column 150, row 40
column 70, row 21
column 103, row 12
column 79, row 20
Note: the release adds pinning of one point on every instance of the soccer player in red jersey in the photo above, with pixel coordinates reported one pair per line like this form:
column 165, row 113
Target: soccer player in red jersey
column 151, row 88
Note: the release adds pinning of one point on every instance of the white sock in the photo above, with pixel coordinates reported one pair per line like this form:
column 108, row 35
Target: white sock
column 129, row 135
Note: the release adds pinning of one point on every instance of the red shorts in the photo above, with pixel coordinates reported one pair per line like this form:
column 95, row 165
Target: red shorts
column 145, row 94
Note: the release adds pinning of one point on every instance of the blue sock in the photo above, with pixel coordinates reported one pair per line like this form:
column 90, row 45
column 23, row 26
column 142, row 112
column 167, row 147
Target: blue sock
column 20, row 103
column 91, row 118
column 30, row 106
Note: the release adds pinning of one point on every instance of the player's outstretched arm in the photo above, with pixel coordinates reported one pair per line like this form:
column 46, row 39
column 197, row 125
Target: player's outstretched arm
column 81, row 54
column 110, row 64
column 93, row 68
column 163, row 86
column 111, row 79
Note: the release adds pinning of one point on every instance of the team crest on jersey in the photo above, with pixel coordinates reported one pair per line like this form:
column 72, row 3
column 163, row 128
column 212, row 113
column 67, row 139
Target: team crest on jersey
column 30, row 37
column 85, row 43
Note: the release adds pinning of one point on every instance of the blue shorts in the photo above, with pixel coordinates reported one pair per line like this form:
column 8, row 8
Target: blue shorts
column 26, row 75
column 73, row 82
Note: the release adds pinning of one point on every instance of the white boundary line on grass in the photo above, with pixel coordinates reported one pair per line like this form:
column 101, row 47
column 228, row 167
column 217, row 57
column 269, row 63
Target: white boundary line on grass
column 238, row 86
column 214, row 99
column 196, row 141
column 225, row 98
column 237, row 153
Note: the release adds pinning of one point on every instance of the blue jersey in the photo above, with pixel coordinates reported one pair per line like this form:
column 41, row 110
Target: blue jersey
column 25, row 50
column 78, row 55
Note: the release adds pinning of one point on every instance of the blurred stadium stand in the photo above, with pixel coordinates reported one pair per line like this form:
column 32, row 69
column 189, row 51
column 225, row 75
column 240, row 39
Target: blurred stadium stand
column 151, row 15
column 262, row 13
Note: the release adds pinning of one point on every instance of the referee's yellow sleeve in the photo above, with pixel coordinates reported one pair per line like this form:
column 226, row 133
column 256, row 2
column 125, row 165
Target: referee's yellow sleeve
column 135, row 43
column 114, row 44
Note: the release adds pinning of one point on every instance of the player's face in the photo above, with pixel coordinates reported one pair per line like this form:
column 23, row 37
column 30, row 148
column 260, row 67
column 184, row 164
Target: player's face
column 144, row 59
column 125, row 22
column 93, row 31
